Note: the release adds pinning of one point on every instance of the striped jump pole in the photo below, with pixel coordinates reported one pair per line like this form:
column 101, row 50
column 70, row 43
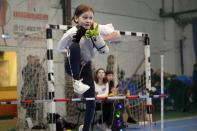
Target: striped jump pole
column 15, row 101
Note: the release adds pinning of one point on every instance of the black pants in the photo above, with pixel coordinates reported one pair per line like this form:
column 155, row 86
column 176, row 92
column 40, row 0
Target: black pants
column 87, row 76
column 108, row 110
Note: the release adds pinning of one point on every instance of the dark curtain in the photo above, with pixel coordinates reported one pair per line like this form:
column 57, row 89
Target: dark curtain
column 194, row 25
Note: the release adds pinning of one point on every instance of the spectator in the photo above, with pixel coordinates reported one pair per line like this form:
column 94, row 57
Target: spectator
column 102, row 90
column 112, row 88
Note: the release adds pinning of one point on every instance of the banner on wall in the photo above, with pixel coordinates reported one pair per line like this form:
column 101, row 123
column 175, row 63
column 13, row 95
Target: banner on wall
column 21, row 19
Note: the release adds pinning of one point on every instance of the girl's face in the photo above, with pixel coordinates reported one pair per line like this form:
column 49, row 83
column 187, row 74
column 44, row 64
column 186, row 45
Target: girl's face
column 101, row 74
column 110, row 77
column 85, row 19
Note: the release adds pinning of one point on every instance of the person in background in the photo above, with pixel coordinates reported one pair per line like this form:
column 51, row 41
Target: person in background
column 34, row 88
column 110, row 78
column 102, row 90
column 29, row 87
column 101, row 83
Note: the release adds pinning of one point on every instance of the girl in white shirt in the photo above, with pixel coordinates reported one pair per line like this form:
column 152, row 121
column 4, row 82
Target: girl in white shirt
column 82, row 42
column 101, row 84
column 102, row 90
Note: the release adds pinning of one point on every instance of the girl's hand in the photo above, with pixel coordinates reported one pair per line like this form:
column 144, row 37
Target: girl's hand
column 92, row 32
column 115, row 90
column 80, row 32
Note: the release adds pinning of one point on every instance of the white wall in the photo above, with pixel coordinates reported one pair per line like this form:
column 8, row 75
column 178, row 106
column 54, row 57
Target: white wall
column 143, row 16
column 174, row 33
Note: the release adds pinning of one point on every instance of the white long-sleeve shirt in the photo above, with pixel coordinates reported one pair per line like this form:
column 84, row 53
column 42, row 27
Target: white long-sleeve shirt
column 87, row 50
column 101, row 90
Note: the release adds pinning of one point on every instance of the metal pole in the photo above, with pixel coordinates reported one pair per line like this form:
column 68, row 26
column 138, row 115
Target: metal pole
column 66, row 12
column 148, row 77
column 162, row 92
column 51, row 90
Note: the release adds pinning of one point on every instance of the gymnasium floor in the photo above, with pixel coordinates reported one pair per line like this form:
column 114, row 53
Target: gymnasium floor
column 184, row 124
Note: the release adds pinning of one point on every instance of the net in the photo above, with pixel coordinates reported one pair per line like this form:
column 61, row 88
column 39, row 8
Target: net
column 127, row 60
column 32, row 74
